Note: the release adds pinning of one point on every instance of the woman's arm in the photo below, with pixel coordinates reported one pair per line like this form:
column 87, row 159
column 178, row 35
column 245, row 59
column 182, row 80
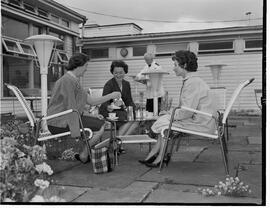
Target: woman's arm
column 96, row 101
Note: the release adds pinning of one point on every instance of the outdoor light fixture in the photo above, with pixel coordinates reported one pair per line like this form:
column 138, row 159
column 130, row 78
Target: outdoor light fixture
column 155, row 76
column 43, row 45
column 216, row 71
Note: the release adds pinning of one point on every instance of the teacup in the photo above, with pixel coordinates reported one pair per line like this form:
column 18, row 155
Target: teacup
column 112, row 115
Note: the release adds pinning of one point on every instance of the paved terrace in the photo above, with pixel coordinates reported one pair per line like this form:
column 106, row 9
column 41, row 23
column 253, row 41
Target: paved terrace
column 132, row 182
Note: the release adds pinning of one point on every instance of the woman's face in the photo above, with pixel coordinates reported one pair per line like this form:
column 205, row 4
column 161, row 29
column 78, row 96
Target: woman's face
column 179, row 70
column 119, row 73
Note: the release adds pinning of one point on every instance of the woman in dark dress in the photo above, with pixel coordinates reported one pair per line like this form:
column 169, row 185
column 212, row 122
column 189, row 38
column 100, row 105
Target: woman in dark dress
column 118, row 83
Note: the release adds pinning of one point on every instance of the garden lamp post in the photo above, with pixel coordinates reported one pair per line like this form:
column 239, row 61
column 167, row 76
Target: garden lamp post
column 216, row 71
column 155, row 77
column 43, row 45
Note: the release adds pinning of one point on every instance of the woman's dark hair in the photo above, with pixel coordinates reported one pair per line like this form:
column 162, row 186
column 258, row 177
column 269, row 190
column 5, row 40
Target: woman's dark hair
column 78, row 59
column 119, row 63
column 188, row 58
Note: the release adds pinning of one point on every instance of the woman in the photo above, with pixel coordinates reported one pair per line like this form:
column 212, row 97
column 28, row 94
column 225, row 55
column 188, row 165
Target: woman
column 118, row 83
column 69, row 94
column 194, row 94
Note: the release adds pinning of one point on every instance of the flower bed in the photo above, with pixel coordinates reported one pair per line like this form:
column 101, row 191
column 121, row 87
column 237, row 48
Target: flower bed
column 24, row 173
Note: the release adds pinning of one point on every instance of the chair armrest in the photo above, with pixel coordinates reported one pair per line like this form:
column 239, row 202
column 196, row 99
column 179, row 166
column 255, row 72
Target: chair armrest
column 58, row 114
column 196, row 111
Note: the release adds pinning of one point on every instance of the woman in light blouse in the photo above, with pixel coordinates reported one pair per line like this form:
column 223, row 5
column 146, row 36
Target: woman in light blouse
column 194, row 94
column 69, row 94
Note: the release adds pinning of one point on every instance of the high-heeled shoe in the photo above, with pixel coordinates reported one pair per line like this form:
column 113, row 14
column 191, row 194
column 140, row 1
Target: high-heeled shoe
column 77, row 157
column 166, row 160
column 150, row 160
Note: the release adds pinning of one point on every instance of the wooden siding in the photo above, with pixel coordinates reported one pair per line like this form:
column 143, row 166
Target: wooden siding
column 239, row 68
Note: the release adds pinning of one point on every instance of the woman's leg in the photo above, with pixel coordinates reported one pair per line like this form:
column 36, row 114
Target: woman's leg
column 155, row 149
column 162, row 146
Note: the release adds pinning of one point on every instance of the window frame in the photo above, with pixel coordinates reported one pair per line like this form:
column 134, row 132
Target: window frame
column 66, row 21
column 139, row 46
column 253, row 49
column 59, row 52
column 31, row 47
column 40, row 11
column 209, row 51
column 14, row 41
column 28, row 10
column 55, row 16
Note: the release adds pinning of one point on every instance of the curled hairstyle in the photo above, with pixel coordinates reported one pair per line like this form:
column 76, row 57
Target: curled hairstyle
column 119, row 63
column 188, row 58
column 78, row 59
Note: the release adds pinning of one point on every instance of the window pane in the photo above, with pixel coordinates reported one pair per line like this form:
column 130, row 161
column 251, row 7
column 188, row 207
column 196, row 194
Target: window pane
column 55, row 19
column 217, row 45
column 139, row 50
column 253, row 43
column 27, row 49
column 12, row 46
column 29, row 7
column 36, row 30
column 97, row 53
column 10, row 28
column 65, row 23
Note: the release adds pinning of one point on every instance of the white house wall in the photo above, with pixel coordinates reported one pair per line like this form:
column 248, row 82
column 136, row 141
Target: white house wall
column 239, row 68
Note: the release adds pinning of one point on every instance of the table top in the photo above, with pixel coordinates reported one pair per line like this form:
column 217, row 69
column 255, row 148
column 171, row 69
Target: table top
column 153, row 118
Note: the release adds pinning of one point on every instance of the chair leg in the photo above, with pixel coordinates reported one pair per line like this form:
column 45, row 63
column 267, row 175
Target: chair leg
column 224, row 154
column 163, row 153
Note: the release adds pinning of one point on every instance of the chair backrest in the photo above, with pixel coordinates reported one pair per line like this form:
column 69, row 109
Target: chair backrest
column 219, row 94
column 23, row 102
column 258, row 95
column 233, row 98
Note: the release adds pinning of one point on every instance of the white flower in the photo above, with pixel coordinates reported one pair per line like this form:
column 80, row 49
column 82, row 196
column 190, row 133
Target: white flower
column 8, row 200
column 44, row 167
column 41, row 183
column 37, row 198
column 56, row 199
column 219, row 193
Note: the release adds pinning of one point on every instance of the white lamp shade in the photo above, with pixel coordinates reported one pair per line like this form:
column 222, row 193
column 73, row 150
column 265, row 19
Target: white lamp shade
column 216, row 70
column 43, row 46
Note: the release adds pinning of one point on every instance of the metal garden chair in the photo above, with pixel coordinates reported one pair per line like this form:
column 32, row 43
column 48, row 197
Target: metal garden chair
column 35, row 123
column 171, row 132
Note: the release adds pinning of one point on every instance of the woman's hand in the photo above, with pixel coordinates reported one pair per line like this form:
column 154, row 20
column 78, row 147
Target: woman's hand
column 116, row 95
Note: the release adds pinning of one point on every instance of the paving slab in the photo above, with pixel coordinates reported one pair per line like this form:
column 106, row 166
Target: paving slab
column 70, row 193
column 187, row 194
column 183, row 172
column 135, row 193
column 62, row 165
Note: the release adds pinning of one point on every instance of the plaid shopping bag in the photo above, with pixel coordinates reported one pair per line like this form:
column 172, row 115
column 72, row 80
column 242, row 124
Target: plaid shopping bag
column 100, row 160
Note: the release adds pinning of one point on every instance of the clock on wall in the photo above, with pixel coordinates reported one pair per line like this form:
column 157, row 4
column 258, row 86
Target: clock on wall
column 124, row 52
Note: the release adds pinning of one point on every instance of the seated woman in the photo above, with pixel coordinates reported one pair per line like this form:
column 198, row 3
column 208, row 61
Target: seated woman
column 118, row 83
column 69, row 94
column 194, row 94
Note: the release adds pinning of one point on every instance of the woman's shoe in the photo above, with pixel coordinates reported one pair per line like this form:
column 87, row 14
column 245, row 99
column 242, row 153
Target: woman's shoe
column 152, row 165
column 150, row 160
column 77, row 157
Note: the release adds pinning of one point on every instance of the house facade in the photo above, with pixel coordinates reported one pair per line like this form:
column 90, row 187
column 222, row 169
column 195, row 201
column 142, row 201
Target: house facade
column 238, row 49
column 19, row 65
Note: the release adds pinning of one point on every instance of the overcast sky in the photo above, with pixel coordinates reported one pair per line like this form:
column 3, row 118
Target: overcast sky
column 174, row 15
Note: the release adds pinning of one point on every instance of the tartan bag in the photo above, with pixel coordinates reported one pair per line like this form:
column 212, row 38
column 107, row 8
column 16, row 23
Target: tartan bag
column 100, row 160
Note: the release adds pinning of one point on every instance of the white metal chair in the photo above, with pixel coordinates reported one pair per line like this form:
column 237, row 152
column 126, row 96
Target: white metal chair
column 35, row 123
column 258, row 96
column 220, row 127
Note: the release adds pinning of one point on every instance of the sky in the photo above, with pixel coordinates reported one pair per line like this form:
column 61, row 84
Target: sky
column 170, row 15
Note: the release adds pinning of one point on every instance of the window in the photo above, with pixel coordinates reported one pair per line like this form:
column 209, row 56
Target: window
column 42, row 13
column 55, row 19
column 10, row 28
column 15, row 2
column 62, row 55
column 169, row 49
column 253, row 45
column 36, row 30
column 11, row 46
column 216, row 47
column 17, row 47
column 29, row 8
column 97, row 53
column 65, row 23
column 28, row 49
column 139, row 50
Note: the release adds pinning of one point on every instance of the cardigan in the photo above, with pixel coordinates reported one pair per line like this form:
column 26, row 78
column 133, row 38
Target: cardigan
column 67, row 94
column 112, row 86
column 194, row 94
